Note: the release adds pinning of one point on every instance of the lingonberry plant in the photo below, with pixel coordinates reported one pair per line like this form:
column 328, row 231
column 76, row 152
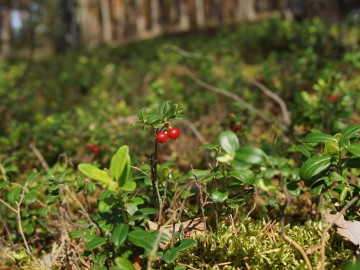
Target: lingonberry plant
column 120, row 227
column 161, row 126
column 330, row 164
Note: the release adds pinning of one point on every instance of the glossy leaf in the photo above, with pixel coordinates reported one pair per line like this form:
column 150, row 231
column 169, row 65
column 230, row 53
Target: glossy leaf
column 314, row 166
column 250, row 155
column 170, row 255
column 124, row 264
column 184, row 244
column 318, row 137
column 229, row 142
column 129, row 186
column 120, row 165
column 354, row 149
column 95, row 173
column 351, row 130
column 142, row 238
column 247, row 177
column 219, row 196
column 164, row 108
column 119, row 234
column 95, row 243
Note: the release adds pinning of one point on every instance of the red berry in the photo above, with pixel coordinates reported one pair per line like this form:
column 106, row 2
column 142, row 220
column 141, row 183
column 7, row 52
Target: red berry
column 334, row 97
column 260, row 79
column 236, row 128
column 93, row 148
column 161, row 137
column 173, row 133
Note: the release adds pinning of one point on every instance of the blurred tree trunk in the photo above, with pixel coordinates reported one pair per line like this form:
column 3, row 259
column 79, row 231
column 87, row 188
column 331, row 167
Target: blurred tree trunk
column 105, row 21
column 5, row 30
column 155, row 16
column 246, row 9
column 67, row 35
column 200, row 13
column 90, row 22
column 118, row 27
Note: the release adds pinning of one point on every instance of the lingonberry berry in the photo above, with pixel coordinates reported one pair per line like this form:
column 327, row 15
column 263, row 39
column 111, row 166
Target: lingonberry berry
column 236, row 128
column 173, row 133
column 161, row 137
column 334, row 97
column 94, row 149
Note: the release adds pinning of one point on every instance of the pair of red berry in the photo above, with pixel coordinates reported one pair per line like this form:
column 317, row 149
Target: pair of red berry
column 172, row 133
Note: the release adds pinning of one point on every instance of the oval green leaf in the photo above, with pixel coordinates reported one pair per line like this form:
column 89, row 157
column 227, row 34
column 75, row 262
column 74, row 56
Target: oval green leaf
column 124, row 263
column 119, row 234
column 229, row 142
column 120, row 165
column 247, row 177
column 319, row 137
column 219, row 196
column 250, row 155
column 351, row 130
column 95, row 243
column 314, row 166
column 95, row 173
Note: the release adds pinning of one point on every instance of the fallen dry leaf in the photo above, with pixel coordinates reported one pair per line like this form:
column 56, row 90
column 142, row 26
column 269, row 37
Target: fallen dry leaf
column 349, row 229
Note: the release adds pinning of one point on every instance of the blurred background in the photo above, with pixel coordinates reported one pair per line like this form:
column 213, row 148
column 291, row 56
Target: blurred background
column 55, row 26
column 73, row 73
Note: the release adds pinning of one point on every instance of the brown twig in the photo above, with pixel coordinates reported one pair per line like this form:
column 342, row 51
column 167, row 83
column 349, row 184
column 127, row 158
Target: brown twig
column 326, row 230
column 227, row 94
column 276, row 98
column 40, row 157
column 197, row 133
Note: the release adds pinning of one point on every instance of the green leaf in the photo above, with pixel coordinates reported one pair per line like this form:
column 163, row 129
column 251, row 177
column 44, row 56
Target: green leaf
column 152, row 119
column 180, row 267
column 142, row 238
column 304, row 149
column 14, row 194
column 170, row 255
column 140, row 114
column 219, row 196
column 247, row 177
column 31, row 177
column 129, row 186
column 331, row 147
column 148, row 211
column 354, row 149
column 229, row 142
column 250, row 155
column 119, row 234
column 210, row 147
column 351, row 130
column 200, row 173
column 30, row 197
column 95, row 173
column 124, row 263
column 171, row 112
column 184, row 244
column 120, row 165
column 95, row 243
column 319, row 137
column 314, row 166
column 164, row 108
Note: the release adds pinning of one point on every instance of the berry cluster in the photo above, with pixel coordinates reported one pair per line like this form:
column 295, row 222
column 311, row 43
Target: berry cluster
column 163, row 136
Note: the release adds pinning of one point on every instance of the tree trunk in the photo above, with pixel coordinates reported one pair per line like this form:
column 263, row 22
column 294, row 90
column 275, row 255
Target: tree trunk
column 105, row 21
column 5, row 31
column 184, row 22
column 200, row 13
column 118, row 9
column 155, row 16
column 246, row 9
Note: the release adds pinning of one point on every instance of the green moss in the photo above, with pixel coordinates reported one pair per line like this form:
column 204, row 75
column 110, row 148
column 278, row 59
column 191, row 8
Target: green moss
column 260, row 245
